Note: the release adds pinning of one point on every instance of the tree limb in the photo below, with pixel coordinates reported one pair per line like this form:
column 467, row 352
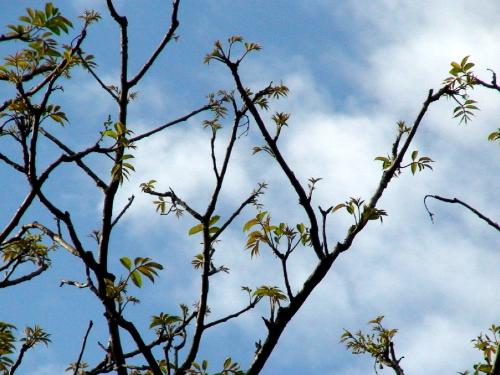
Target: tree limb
column 458, row 201
column 82, row 350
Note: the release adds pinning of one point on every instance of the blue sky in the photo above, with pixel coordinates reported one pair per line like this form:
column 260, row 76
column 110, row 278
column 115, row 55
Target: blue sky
column 354, row 69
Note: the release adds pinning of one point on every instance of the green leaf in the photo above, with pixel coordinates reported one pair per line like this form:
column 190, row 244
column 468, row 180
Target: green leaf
column 127, row 263
column 377, row 320
column 249, row 224
column 338, row 207
column 301, row 228
column 213, row 220
column 261, row 215
column 413, row 168
column 164, row 320
column 136, row 278
column 196, row 229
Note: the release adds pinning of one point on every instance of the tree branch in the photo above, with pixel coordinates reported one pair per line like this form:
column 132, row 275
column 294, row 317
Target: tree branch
column 174, row 23
column 232, row 316
column 41, row 268
column 99, row 182
column 129, row 203
column 13, row 164
column 285, row 314
column 458, row 201
column 82, row 350
column 280, row 159
column 171, row 123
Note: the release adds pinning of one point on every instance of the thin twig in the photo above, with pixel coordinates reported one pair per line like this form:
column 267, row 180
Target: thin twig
column 171, row 123
column 174, row 23
column 176, row 200
column 6, row 283
column 232, row 316
column 100, row 183
column 77, row 365
column 249, row 200
column 285, row 276
column 12, row 163
column 96, row 77
column 129, row 203
column 458, row 201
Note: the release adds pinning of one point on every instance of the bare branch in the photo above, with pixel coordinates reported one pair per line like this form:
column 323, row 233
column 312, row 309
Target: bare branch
column 129, row 203
column 14, row 221
column 141, row 345
column 82, row 350
column 493, row 85
column 232, row 316
column 285, row 277
column 212, row 154
column 458, row 201
column 13, row 164
column 100, row 183
column 171, row 123
column 174, row 23
column 6, row 282
column 249, row 200
column 96, row 77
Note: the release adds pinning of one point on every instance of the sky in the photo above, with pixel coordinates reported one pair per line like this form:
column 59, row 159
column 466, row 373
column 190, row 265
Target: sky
column 354, row 68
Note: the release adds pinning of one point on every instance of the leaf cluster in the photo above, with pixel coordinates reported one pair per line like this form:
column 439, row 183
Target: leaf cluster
column 212, row 229
column 122, row 168
column 229, row 368
column 31, row 337
column 460, row 81
column 360, row 211
column 220, row 54
column 28, row 248
column 489, row 345
column 141, row 266
column 378, row 344
column 7, row 345
column 43, row 53
column 273, row 235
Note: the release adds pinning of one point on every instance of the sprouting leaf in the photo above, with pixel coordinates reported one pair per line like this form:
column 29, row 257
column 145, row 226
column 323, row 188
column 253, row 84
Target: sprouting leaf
column 252, row 47
column 198, row 261
column 235, row 39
